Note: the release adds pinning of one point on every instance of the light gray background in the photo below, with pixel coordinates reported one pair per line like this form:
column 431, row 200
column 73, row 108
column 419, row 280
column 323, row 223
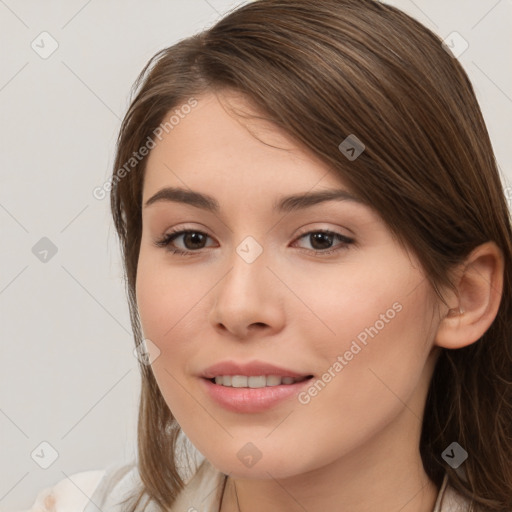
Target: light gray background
column 68, row 374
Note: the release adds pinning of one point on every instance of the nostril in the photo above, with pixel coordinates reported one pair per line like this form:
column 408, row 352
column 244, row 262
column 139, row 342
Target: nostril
column 257, row 324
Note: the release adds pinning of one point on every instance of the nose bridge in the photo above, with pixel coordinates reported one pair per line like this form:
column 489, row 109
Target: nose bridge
column 245, row 296
column 247, row 271
column 249, row 250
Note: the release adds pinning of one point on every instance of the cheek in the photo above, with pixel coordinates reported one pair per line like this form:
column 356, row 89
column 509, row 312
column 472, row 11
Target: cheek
column 163, row 302
column 164, row 296
column 378, row 322
column 152, row 302
column 370, row 387
column 350, row 301
column 377, row 357
column 173, row 310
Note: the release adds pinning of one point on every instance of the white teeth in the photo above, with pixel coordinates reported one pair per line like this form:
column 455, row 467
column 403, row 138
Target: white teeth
column 257, row 382
column 273, row 380
column 260, row 381
column 239, row 381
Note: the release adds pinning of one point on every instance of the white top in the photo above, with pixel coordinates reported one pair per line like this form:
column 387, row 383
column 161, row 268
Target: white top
column 103, row 490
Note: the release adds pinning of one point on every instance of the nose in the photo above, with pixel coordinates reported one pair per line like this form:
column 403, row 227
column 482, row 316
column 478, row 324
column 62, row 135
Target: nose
column 248, row 300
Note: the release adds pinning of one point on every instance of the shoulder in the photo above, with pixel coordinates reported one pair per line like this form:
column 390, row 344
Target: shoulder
column 450, row 500
column 106, row 490
column 203, row 489
column 70, row 493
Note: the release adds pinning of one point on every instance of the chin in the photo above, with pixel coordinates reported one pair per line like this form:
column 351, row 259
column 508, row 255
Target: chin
column 266, row 468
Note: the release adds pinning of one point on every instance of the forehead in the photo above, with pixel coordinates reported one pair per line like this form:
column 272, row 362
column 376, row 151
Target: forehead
column 217, row 146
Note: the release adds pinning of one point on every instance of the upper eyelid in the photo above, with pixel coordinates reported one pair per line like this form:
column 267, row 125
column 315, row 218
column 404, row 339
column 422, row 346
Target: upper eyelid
column 302, row 231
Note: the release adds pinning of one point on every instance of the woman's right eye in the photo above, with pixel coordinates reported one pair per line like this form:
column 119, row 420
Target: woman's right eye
column 191, row 237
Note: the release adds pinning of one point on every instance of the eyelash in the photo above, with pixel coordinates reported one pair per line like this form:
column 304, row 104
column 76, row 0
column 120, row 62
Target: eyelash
column 172, row 235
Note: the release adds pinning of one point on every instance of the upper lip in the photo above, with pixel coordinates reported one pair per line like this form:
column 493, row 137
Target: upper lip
column 250, row 369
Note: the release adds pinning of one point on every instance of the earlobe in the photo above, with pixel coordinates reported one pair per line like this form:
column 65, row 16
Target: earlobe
column 474, row 305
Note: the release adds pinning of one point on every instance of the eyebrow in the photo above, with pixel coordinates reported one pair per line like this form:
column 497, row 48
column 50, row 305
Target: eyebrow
column 284, row 205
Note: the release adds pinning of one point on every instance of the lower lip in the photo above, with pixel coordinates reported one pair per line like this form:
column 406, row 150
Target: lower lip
column 250, row 400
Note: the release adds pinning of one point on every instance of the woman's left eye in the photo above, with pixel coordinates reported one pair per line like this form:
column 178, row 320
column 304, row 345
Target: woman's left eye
column 318, row 240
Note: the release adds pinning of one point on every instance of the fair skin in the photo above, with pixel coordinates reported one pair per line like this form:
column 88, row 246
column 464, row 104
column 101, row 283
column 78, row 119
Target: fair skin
column 355, row 445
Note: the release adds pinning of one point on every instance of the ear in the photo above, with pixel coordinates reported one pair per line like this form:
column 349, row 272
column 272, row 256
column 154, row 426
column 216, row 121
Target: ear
column 474, row 305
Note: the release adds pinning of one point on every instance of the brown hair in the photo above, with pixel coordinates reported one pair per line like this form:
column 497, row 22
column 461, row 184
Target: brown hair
column 321, row 71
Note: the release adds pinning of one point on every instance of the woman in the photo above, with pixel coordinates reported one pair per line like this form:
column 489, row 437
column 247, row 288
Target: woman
column 340, row 336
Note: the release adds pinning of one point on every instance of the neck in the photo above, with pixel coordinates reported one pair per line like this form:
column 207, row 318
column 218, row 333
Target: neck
column 409, row 498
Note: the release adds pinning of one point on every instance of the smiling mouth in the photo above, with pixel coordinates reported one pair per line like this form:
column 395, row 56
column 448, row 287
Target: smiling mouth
column 254, row 382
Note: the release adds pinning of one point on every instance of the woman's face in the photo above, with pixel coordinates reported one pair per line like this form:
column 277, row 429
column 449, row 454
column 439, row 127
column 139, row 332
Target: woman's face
column 262, row 284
